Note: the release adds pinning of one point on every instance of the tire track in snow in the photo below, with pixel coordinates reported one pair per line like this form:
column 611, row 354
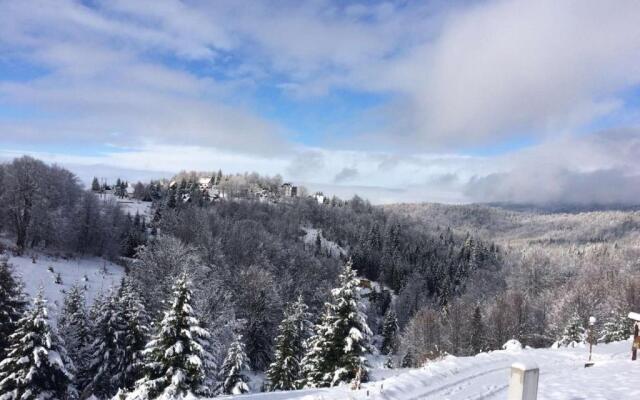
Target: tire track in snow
column 450, row 385
column 489, row 393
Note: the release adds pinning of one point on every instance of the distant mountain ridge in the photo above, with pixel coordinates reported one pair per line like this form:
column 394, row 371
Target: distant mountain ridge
column 526, row 225
column 562, row 207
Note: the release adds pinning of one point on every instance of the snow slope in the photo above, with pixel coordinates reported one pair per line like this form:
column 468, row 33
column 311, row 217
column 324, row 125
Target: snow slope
column 486, row 376
column 327, row 245
column 129, row 206
column 95, row 273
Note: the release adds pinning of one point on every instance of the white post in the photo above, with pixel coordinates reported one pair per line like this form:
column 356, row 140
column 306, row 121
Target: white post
column 523, row 384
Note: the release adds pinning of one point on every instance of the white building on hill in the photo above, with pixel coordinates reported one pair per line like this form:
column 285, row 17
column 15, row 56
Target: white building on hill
column 205, row 183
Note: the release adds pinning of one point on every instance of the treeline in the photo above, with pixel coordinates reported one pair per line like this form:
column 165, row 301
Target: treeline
column 558, row 270
column 44, row 206
column 188, row 187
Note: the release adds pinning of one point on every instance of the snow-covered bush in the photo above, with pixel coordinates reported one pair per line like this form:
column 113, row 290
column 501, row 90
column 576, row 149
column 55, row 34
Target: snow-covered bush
column 512, row 345
column 617, row 327
column 573, row 334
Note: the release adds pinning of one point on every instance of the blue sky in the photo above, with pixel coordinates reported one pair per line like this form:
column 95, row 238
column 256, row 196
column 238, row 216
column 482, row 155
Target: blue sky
column 398, row 100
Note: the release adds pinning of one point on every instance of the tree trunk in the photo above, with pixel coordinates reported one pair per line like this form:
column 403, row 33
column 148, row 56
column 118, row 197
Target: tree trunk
column 21, row 227
column 21, row 239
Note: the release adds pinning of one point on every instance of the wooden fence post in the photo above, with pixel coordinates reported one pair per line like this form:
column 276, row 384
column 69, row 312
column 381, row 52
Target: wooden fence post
column 636, row 334
column 523, row 384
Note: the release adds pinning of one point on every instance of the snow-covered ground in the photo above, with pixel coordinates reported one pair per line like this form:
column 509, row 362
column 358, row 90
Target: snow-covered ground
column 130, row 206
column 329, row 246
column 95, row 273
column 486, row 376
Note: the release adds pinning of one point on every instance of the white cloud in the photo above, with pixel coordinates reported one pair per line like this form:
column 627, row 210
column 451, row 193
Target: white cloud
column 103, row 79
column 597, row 168
column 457, row 76
column 503, row 68
column 600, row 168
column 157, row 161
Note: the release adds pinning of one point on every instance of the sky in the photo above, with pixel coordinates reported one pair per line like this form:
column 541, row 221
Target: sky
column 402, row 101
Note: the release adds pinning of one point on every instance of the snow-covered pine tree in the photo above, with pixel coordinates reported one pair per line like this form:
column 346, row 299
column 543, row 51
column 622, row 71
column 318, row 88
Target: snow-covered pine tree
column 285, row 372
column 573, row 332
column 176, row 358
column 73, row 327
column 336, row 352
column 231, row 373
column 316, row 363
column 389, row 332
column 35, row 366
column 105, row 350
column 12, row 303
column 132, row 337
column 617, row 327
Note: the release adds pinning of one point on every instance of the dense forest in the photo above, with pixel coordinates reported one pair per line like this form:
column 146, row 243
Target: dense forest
column 243, row 277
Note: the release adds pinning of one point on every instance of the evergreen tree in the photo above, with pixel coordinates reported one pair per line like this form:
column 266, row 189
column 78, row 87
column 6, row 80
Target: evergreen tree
column 617, row 327
column 389, row 332
column 118, row 188
column 36, row 363
column 177, row 362
column 318, row 243
column 285, row 372
column 231, row 373
column 336, row 352
column 95, row 309
column 106, row 350
column 134, row 234
column 573, row 333
column 155, row 192
column 258, row 304
column 73, row 327
column 317, row 364
column 171, row 201
column 12, row 303
column 132, row 337
column 95, row 185
column 477, row 329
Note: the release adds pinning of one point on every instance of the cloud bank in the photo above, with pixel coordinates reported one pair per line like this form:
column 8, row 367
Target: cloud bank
column 438, row 101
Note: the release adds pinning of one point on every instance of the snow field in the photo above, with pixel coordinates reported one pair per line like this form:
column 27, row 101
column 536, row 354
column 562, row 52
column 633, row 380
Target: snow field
column 486, row 376
column 129, row 206
column 97, row 274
